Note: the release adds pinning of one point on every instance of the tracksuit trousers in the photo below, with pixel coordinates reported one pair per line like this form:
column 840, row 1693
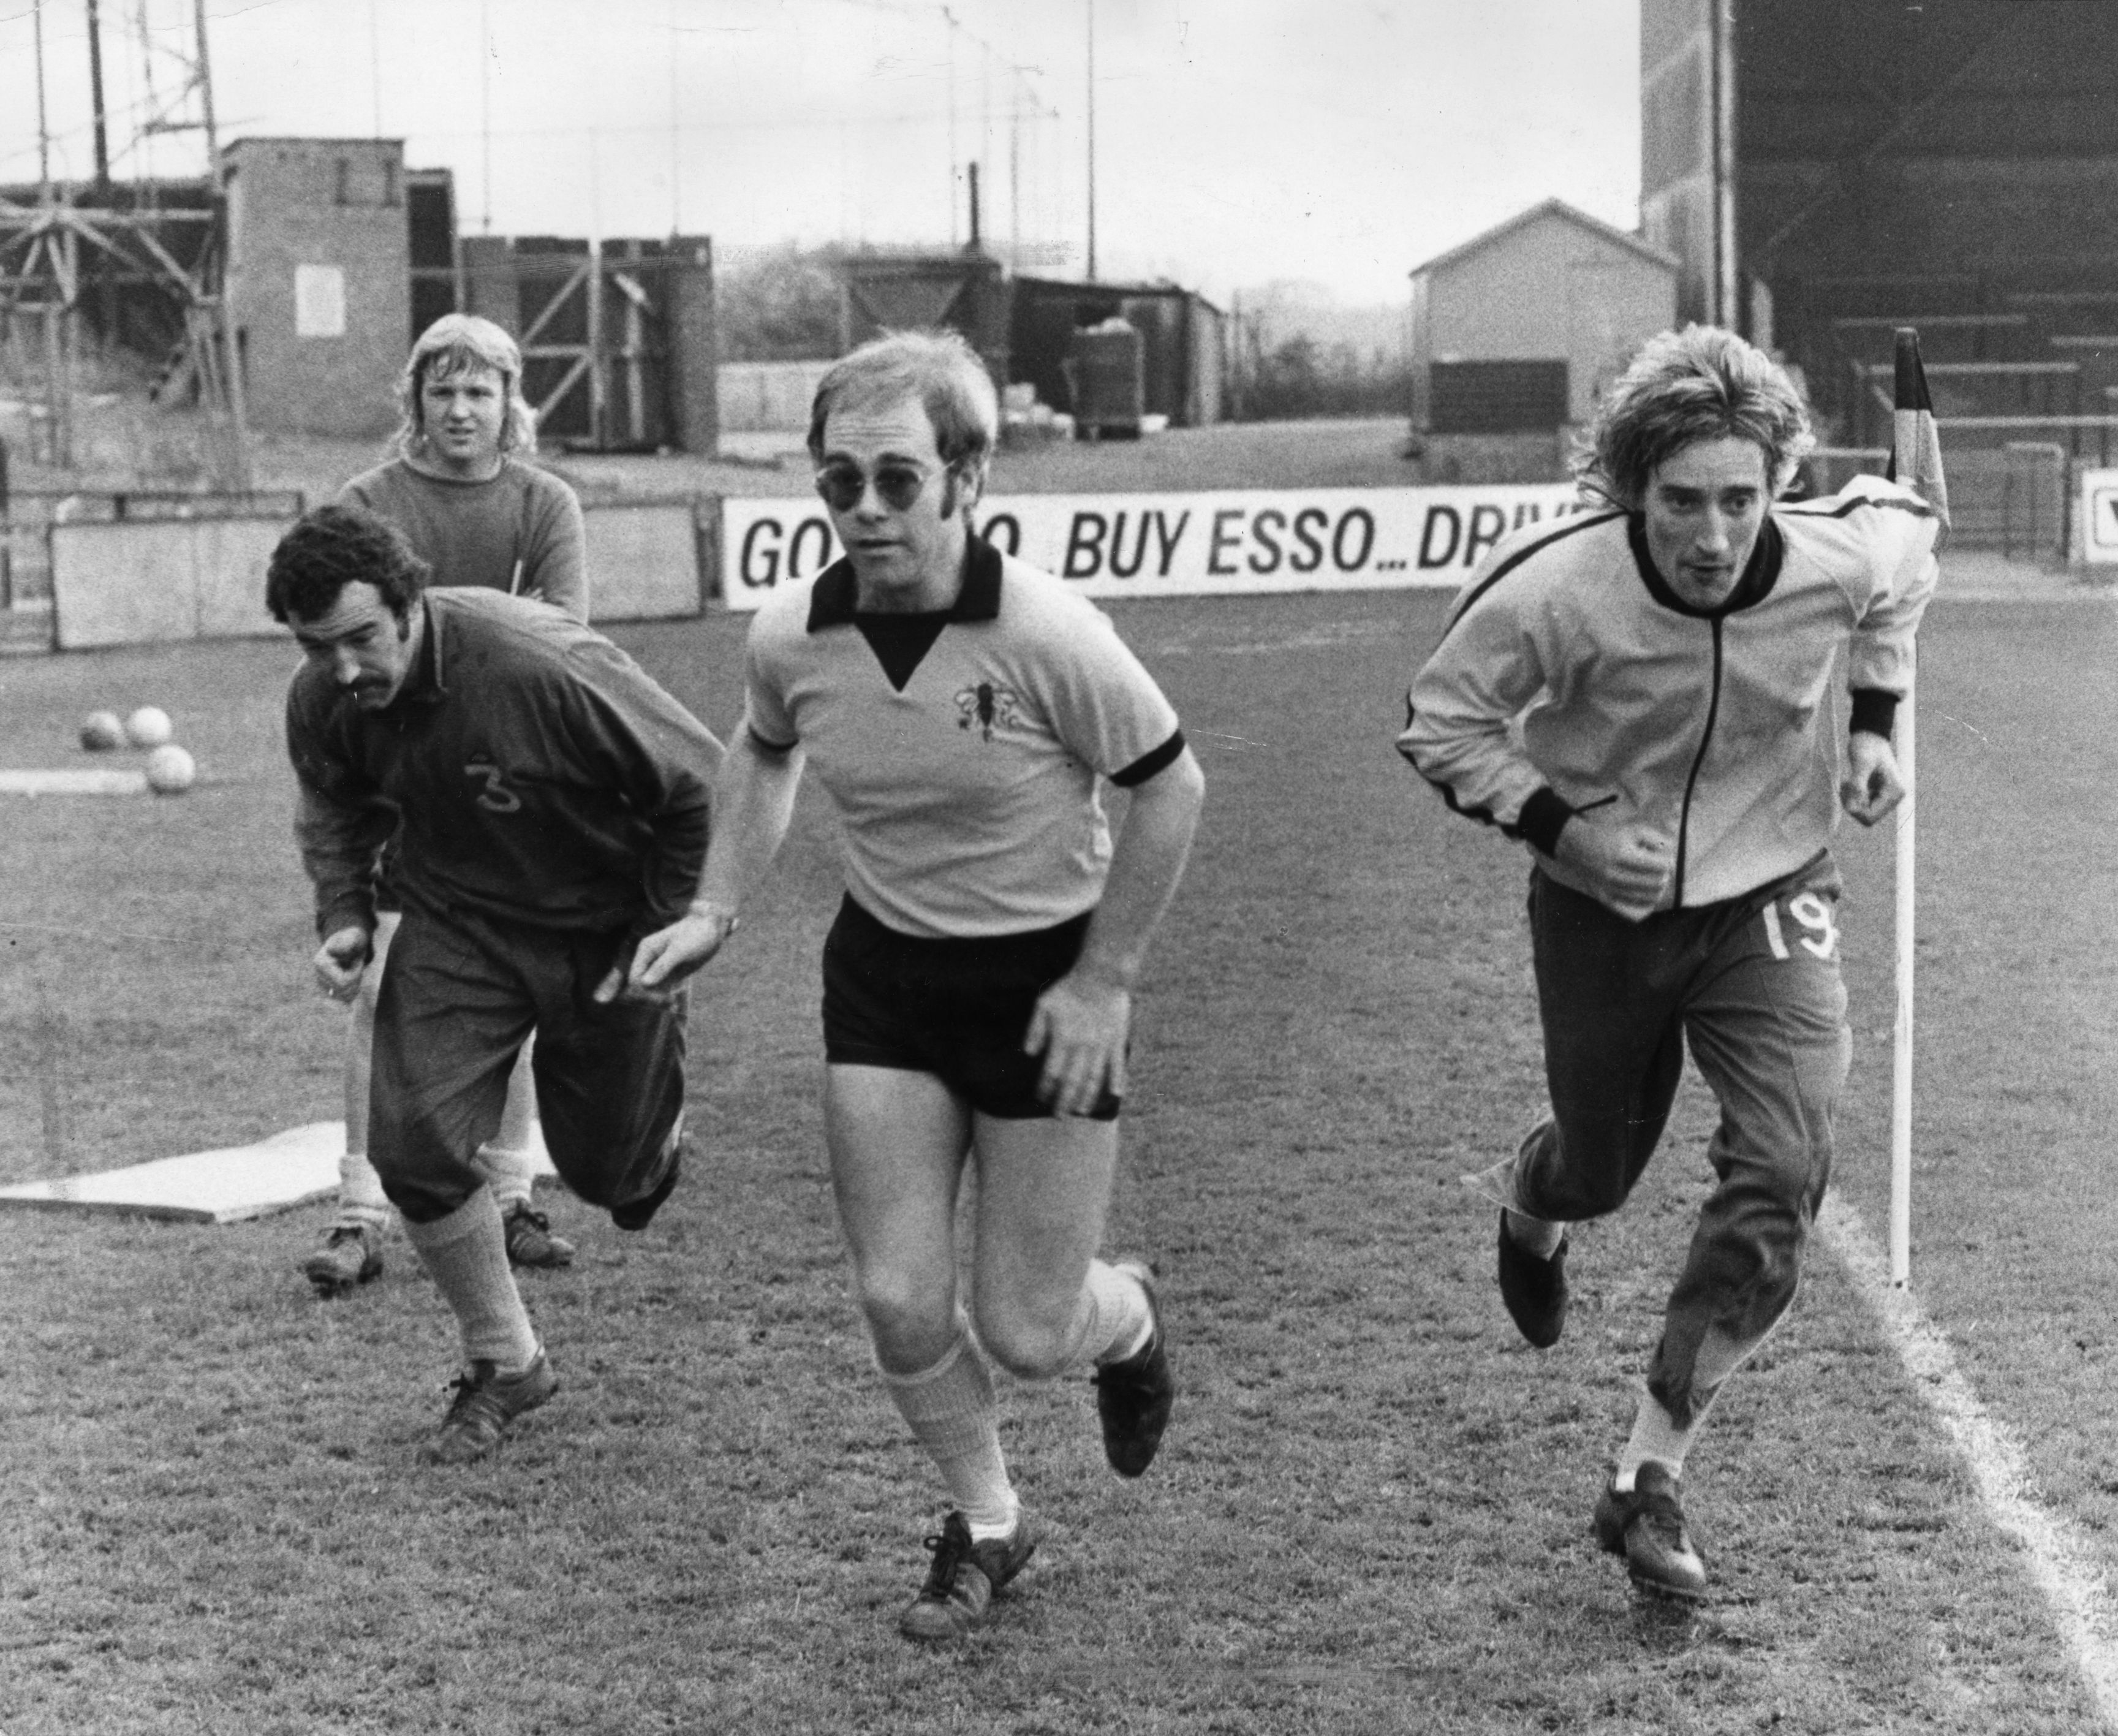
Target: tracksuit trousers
column 1753, row 983
column 459, row 998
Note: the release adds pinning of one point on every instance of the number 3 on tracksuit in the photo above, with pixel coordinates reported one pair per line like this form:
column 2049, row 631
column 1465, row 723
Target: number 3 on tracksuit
column 500, row 799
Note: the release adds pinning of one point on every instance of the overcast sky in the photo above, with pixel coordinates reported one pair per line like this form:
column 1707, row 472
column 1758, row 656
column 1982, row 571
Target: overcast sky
column 1237, row 141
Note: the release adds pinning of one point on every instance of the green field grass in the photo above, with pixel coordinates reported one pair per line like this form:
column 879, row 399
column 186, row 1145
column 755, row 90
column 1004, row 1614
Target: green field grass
column 1371, row 1512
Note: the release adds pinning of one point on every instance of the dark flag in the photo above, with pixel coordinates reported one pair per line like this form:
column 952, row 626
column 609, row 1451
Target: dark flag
column 1915, row 446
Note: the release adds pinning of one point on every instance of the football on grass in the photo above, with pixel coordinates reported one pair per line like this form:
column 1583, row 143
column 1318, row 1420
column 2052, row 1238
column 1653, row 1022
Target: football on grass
column 100, row 731
column 170, row 770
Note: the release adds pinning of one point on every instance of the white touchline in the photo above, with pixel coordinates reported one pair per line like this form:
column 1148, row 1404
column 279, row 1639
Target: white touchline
column 2059, row 1561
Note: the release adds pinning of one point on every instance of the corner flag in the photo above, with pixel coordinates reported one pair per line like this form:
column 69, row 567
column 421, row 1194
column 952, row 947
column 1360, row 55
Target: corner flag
column 1916, row 461
column 1915, row 445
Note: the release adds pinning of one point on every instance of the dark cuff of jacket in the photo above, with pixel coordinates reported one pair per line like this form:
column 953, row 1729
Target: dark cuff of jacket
column 1544, row 815
column 677, row 857
column 345, row 913
column 1875, row 712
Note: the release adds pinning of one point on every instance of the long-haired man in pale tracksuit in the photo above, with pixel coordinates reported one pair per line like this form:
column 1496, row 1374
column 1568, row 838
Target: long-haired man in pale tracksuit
column 1641, row 694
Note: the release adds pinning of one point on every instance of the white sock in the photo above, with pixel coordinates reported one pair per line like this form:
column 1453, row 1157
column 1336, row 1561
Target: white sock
column 1113, row 1319
column 1534, row 1236
column 1655, row 1436
column 504, row 1160
column 954, row 1415
column 507, row 1173
column 465, row 1253
column 361, row 1199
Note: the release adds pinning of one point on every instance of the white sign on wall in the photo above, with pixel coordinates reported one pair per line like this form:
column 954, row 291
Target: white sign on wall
column 2099, row 517
column 1226, row 542
column 319, row 301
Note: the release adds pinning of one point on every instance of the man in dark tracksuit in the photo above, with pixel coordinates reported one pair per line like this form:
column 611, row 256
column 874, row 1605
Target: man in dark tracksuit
column 1641, row 694
column 550, row 803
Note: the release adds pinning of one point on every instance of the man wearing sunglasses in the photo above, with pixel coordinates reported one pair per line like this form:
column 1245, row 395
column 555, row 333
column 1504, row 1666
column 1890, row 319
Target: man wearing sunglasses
column 963, row 710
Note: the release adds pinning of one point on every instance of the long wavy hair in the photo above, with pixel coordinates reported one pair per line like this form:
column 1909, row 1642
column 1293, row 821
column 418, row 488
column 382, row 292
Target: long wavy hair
column 1701, row 383
column 457, row 343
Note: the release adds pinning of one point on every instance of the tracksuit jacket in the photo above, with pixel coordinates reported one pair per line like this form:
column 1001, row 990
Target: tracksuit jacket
column 1571, row 679
column 542, row 776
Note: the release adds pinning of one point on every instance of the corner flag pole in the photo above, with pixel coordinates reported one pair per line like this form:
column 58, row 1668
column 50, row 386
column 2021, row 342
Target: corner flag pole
column 1915, row 458
column 1901, row 1047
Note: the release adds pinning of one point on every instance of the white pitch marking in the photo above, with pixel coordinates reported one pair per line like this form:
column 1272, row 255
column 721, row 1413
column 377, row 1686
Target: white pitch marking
column 94, row 780
column 2059, row 1559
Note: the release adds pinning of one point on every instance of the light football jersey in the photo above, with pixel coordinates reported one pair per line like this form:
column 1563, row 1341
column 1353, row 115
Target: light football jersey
column 966, row 784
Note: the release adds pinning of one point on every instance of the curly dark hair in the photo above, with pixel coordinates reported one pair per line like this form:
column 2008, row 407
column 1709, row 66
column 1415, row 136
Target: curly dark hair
column 334, row 547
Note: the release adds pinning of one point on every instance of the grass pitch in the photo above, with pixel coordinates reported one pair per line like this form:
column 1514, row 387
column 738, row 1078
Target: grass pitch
column 1371, row 1514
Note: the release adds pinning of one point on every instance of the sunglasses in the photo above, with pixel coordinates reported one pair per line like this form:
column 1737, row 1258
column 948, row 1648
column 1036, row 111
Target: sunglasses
column 843, row 485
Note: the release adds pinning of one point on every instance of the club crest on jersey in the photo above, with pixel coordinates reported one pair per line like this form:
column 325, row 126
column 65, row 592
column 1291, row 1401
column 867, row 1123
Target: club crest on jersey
column 986, row 708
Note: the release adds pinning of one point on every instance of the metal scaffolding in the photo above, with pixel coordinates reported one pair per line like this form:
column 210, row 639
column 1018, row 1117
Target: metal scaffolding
column 161, row 243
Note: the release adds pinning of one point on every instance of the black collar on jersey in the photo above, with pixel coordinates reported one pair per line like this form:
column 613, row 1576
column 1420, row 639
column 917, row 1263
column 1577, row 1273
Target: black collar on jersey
column 834, row 598
column 1756, row 584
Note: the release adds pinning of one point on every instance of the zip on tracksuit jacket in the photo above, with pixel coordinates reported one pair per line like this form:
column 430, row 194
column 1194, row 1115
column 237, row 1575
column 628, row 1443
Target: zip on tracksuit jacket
column 1571, row 678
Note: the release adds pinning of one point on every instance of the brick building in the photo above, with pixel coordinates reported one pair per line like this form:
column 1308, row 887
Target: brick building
column 318, row 280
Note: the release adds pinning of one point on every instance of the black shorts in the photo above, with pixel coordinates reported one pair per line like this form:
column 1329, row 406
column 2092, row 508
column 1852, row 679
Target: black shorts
column 957, row 1009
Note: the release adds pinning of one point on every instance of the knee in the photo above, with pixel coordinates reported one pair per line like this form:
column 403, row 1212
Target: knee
column 1767, row 1202
column 386, row 1155
column 421, row 1171
column 1574, row 1196
column 1790, row 1174
column 1029, row 1344
column 911, row 1323
column 1584, row 1167
column 424, row 1199
column 1582, row 1198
